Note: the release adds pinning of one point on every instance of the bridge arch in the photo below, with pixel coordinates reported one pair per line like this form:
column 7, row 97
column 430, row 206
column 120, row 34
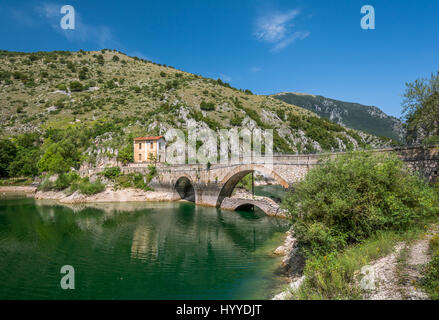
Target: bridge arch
column 229, row 182
column 267, row 205
column 185, row 188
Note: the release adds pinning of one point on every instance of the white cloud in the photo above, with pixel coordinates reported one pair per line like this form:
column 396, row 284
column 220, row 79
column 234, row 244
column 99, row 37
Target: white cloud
column 287, row 41
column 276, row 28
column 101, row 35
column 255, row 69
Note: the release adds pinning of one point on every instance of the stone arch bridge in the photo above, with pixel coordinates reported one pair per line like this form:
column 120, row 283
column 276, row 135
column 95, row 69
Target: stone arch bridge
column 213, row 185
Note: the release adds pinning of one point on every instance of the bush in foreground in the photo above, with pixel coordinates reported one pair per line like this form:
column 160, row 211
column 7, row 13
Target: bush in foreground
column 347, row 200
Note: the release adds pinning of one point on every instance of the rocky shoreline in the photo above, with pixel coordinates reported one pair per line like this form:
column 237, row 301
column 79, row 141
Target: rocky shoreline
column 292, row 264
column 17, row 189
column 109, row 195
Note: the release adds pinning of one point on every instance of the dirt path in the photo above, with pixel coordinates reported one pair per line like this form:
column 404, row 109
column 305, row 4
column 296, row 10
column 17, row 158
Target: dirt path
column 383, row 273
column 418, row 256
column 397, row 275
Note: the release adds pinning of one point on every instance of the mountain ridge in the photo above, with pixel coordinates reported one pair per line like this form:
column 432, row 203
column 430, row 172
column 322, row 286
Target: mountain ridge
column 369, row 119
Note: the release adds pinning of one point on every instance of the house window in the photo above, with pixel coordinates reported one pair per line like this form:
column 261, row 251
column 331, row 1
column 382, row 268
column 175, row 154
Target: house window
column 140, row 156
column 150, row 145
column 140, row 146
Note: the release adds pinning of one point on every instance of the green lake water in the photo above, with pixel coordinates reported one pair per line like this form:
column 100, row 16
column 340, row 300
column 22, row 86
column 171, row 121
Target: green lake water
column 137, row 251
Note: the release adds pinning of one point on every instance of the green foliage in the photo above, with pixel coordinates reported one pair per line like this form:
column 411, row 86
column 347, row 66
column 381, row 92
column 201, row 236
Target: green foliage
column 126, row 154
column 207, row 106
column 431, row 280
column 323, row 131
column 110, row 84
column 236, row 120
column 83, row 74
column 71, row 66
column 432, row 140
column 88, row 188
column 8, row 152
column 134, row 180
column 62, row 182
column 115, row 58
column 255, row 116
column 100, row 59
column 245, row 183
column 76, row 86
column 152, row 172
column 62, row 86
column 136, row 89
column 279, row 143
column 54, row 160
column 26, row 155
column 111, row 173
column 25, row 163
column 348, row 199
column 421, row 107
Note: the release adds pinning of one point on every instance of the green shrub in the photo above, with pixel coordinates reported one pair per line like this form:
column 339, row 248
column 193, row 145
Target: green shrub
column 134, row 180
column 111, row 173
column 110, row 84
column 100, row 59
column 236, row 120
column 152, row 172
column 46, row 185
column 71, row 66
column 76, row 86
column 348, row 199
column 62, row 86
column 82, row 75
column 207, row 106
column 126, row 154
column 88, row 188
column 63, row 181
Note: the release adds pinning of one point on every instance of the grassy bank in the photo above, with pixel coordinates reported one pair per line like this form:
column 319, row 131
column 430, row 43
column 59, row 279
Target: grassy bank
column 431, row 281
column 333, row 276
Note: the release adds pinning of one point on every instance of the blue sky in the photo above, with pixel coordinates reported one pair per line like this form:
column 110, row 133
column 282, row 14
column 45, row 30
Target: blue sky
column 312, row 46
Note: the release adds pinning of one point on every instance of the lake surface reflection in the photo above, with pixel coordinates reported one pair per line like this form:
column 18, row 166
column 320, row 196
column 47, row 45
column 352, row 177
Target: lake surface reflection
column 136, row 251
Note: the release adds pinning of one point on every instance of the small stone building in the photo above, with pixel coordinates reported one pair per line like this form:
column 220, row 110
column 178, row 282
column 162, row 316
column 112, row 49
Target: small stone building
column 150, row 149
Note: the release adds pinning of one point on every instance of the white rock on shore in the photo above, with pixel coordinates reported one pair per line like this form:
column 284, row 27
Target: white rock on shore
column 109, row 195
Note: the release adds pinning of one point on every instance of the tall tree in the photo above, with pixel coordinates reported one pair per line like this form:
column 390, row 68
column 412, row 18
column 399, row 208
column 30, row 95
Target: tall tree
column 421, row 109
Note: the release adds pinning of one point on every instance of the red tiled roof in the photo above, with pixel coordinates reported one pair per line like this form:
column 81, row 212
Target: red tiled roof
column 148, row 138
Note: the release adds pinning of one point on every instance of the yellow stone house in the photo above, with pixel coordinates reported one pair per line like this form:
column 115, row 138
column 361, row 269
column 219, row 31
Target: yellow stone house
column 150, row 149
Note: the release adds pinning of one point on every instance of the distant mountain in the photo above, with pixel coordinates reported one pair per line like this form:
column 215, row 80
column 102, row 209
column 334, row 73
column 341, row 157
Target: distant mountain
column 354, row 115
